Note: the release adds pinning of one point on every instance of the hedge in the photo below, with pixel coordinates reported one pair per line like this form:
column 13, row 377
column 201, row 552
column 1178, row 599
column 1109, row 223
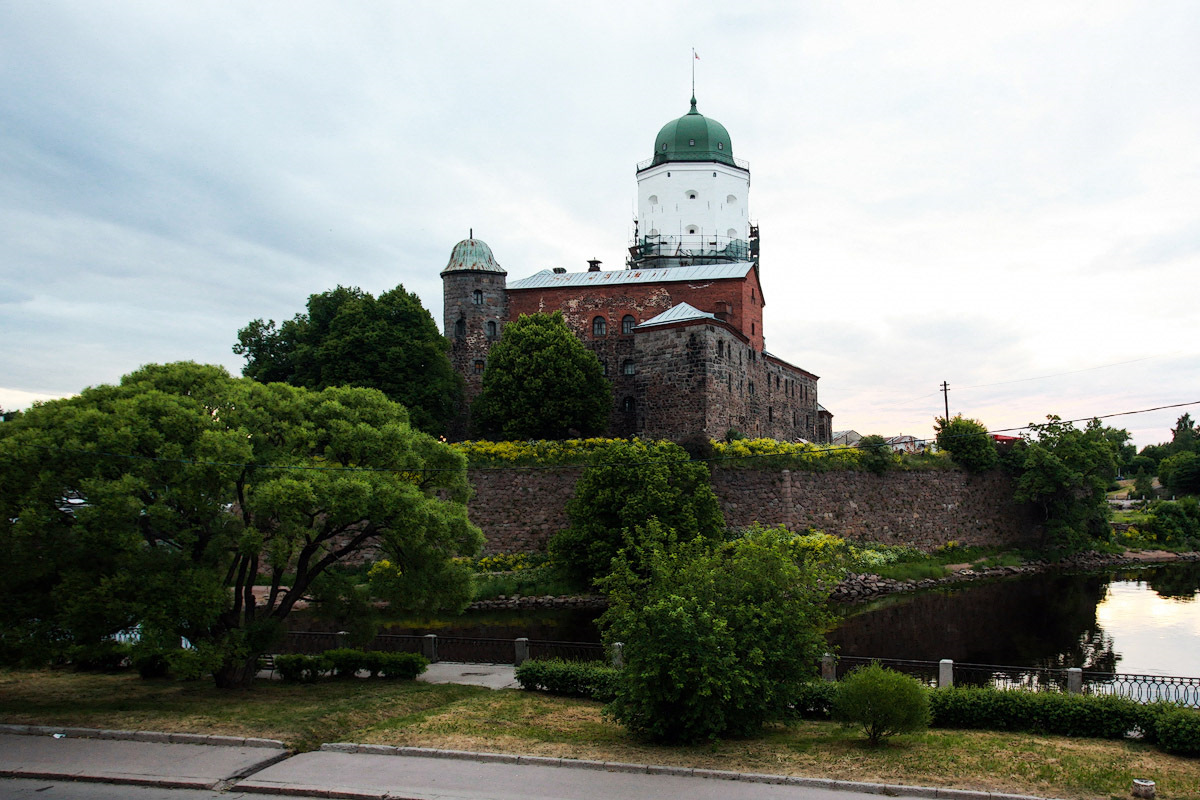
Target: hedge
column 591, row 680
column 346, row 663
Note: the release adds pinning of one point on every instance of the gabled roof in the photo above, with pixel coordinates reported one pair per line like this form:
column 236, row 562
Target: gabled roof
column 684, row 312
column 548, row 279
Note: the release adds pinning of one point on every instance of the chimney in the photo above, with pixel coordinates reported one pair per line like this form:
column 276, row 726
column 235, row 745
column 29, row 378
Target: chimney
column 560, row 270
column 593, row 265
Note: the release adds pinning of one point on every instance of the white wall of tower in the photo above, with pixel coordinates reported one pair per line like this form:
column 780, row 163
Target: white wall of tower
column 694, row 197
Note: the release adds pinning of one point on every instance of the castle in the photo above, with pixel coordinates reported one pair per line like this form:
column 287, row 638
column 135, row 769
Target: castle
column 678, row 331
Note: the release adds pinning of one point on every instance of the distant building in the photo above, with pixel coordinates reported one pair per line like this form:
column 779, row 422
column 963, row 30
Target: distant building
column 846, row 438
column 679, row 330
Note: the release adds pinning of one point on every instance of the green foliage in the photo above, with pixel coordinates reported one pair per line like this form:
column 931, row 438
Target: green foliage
column 540, row 452
column 1179, row 731
column 1064, row 473
column 542, row 580
column 540, row 382
column 627, row 485
column 1172, row 523
column 716, row 641
column 876, row 455
column 402, row 666
column 105, row 656
column 1180, row 473
column 1143, row 486
column 158, row 502
column 967, row 441
column 302, row 668
column 346, row 663
column 814, row 700
column 587, row 679
column 350, row 338
column 882, row 702
column 762, row 453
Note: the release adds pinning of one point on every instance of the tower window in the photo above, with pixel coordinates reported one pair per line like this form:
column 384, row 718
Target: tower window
column 731, row 233
column 491, row 329
column 664, row 147
column 751, row 387
column 599, row 326
column 652, row 199
column 751, row 328
column 691, row 195
column 460, row 329
column 628, row 405
column 692, row 142
column 720, row 145
column 730, row 199
column 627, row 367
column 604, row 368
column 693, row 229
column 478, row 366
column 477, row 297
column 627, row 323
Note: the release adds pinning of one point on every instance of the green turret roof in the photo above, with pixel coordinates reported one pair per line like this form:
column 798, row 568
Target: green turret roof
column 693, row 137
column 472, row 255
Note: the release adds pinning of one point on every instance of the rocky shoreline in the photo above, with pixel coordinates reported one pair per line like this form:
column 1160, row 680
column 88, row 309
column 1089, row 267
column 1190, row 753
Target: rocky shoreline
column 863, row 586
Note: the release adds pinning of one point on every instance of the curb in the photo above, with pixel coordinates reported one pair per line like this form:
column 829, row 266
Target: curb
column 141, row 736
column 887, row 789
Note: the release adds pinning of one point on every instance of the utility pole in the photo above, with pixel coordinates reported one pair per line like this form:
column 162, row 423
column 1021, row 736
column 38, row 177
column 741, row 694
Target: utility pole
column 946, row 398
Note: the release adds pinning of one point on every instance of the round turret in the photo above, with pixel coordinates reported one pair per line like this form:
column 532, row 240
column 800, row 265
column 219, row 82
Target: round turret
column 693, row 137
column 472, row 255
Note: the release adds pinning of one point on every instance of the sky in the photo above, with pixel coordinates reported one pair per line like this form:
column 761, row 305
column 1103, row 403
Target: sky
column 1002, row 196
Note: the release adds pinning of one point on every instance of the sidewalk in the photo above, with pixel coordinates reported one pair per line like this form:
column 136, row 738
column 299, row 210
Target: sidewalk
column 378, row 772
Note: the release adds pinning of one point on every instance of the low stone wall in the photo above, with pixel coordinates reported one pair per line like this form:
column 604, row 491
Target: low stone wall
column 519, row 510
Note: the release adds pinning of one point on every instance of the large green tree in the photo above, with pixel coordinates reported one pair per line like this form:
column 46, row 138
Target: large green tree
column 716, row 639
column 540, row 382
column 626, row 484
column 161, row 503
column 967, row 441
column 350, row 338
column 1064, row 472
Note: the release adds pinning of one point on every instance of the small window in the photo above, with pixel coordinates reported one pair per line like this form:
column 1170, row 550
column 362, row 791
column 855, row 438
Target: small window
column 770, row 414
column 751, row 328
column 693, row 229
column 491, row 329
column 751, row 388
column 714, row 174
column 731, row 233
column 692, row 142
column 720, row 348
column 628, row 405
column 730, row 199
column 604, row 368
column 627, row 323
column 477, row 297
column 652, row 199
column 720, row 145
column 627, row 367
column 691, row 195
column 664, row 147
column 478, row 366
column 599, row 327
column 460, row 329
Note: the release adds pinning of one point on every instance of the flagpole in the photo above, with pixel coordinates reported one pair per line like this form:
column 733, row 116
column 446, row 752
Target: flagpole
column 693, row 72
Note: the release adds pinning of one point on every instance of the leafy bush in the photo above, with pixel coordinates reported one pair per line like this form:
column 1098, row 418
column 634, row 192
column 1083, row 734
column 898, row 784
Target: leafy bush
column 882, row 702
column 588, row 679
column 541, row 580
column 967, row 441
column 1179, row 731
column 402, row 666
column 150, row 662
column 1091, row 716
column 1172, row 523
column 302, row 668
column 193, row 664
column 346, row 662
column 105, row 656
column 741, row 453
column 814, row 700
column 716, row 641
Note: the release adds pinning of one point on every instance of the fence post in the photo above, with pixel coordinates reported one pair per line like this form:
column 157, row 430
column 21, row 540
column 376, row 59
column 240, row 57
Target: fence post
column 828, row 668
column 429, row 647
column 522, row 654
column 946, row 673
column 618, row 654
column 1074, row 680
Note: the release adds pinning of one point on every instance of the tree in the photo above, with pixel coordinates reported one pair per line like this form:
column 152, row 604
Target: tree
column 967, row 441
column 350, row 338
column 626, row 484
column 1064, row 472
column 540, row 382
column 716, row 641
column 1180, row 473
column 882, row 702
column 162, row 501
column 877, row 455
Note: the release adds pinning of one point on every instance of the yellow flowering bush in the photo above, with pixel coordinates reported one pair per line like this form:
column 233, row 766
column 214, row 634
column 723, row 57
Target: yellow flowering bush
column 531, row 453
column 772, row 454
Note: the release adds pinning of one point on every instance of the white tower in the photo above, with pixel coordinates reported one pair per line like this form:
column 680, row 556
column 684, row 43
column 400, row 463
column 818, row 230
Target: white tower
column 693, row 198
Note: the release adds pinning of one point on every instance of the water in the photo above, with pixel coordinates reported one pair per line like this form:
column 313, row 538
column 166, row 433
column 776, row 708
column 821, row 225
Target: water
column 1143, row 621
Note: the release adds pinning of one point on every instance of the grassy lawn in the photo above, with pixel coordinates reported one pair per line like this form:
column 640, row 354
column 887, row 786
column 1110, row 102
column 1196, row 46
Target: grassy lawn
column 473, row 718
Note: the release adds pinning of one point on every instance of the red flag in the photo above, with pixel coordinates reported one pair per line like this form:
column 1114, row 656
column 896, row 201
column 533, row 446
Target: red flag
column 695, row 54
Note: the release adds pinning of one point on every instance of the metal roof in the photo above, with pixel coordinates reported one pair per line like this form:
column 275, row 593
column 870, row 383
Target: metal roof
column 681, row 313
column 547, row 279
column 472, row 255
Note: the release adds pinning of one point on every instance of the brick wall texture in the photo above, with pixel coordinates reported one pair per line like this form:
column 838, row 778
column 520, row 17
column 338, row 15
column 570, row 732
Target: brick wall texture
column 519, row 510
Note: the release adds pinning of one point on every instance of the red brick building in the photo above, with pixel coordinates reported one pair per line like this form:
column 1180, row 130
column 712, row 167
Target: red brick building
column 679, row 330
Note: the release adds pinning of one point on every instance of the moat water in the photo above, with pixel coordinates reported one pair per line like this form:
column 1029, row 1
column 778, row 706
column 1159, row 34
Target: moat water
column 1144, row 621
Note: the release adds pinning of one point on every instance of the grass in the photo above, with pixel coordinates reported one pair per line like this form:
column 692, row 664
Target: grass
column 473, row 718
column 535, row 581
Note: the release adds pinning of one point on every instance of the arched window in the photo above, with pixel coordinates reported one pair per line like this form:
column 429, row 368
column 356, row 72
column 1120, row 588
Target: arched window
column 652, row 199
column 627, row 323
column 627, row 367
column 730, row 199
column 628, row 405
column 599, row 326
column 477, row 297
column 731, row 233
column 693, row 229
column 491, row 329
column 691, row 195
column 460, row 329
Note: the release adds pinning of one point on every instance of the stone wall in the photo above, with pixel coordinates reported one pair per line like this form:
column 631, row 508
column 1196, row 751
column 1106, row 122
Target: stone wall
column 520, row 510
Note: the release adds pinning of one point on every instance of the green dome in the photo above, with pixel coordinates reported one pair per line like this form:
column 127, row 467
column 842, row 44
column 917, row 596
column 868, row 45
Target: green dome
column 472, row 255
column 693, row 137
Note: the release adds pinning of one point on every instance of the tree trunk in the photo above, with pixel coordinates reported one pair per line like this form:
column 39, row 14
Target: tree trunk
column 236, row 674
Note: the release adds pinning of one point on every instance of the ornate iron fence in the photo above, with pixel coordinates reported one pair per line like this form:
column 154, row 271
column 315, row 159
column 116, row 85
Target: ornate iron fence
column 568, row 651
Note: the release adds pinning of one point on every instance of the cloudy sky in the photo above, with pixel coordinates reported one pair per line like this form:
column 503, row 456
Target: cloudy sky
column 1002, row 196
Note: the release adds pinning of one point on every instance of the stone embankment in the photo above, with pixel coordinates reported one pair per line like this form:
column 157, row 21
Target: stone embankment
column 518, row 602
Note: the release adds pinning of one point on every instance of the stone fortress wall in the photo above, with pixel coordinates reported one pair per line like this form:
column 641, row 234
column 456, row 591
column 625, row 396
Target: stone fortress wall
column 519, row 510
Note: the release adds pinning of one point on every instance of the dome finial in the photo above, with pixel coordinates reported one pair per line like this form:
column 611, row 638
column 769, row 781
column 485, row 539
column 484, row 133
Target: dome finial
column 693, row 111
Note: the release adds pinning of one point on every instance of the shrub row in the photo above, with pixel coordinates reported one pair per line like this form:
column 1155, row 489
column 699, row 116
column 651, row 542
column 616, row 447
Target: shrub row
column 1175, row 729
column 591, row 680
column 347, row 663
